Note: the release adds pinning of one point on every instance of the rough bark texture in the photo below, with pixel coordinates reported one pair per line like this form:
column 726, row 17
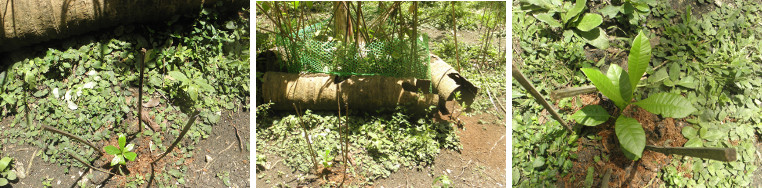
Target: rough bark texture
column 368, row 93
column 447, row 81
column 26, row 22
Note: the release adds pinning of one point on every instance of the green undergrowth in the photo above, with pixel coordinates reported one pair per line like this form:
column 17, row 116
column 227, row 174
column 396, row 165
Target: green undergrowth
column 708, row 53
column 379, row 144
column 83, row 84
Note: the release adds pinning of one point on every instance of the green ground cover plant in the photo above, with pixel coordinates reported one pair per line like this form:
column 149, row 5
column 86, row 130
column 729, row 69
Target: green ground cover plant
column 706, row 52
column 572, row 21
column 88, row 85
column 5, row 171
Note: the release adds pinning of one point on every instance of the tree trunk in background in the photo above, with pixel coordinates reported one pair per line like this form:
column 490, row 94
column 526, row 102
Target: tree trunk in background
column 342, row 23
column 26, row 22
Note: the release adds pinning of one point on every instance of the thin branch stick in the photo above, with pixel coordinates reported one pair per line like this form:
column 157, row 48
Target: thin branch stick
column 498, row 141
column 51, row 129
column 523, row 81
column 75, row 156
column 192, row 119
column 720, row 154
column 455, row 30
column 307, row 137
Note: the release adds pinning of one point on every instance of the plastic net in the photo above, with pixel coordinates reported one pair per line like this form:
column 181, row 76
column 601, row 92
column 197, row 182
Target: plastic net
column 313, row 52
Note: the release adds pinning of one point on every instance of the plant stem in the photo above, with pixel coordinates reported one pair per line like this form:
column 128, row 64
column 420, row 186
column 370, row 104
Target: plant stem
column 78, row 158
column 523, row 81
column 192, row 119
column 720, row 154
column 140, row 90
column 455, row 30
column 307, row 137
column 51, row 129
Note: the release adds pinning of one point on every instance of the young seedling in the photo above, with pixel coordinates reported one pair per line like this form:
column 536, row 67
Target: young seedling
column 327, row 158
column 121, row 153
column 619, row 85
column 6, row 174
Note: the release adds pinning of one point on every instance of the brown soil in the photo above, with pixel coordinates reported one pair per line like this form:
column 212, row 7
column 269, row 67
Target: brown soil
column 481, row 163
column 625, row 172
column 221, row 146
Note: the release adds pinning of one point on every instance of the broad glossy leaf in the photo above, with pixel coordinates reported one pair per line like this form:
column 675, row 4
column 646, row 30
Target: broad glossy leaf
column 595, row 37
column 203, row 85
column 130, row 156
column 604, row 85
column 694, row 143
column 3, row 182
column 129, row 147
column 4, row 163
column 122, row 141
column 591, row 115
column 193, row 91
column 548, row 18
column 620, row 80
column 574, row 11
column 631, row 135
column 117, row 160
column 589, row 22
column 667, row 104
column 687, row 82
column 640, row 56
column 112, row 150
column 178, row 76
column 610, row 11
column 11, row 175
column 689, row 132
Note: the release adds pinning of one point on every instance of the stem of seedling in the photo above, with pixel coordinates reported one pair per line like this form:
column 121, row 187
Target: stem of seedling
column 192, row 119
column 307, row 137
column 51, row 129
column 523, row 81
column 140, row 90
column 720, row 154
column 78, row 158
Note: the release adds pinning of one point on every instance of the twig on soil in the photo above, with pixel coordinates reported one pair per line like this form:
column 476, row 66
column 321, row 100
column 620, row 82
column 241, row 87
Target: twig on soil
column 231, row 145
column 463, row 169
column 75, row 156
column 606, row 178
column 31, row 160
column 49, row 128
column 240, row 144
column 498, row 141
column 192, row 119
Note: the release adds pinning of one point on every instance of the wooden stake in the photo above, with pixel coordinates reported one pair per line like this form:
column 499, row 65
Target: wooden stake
column 180, row 137
column 720, row 154
column 523, row 81
column 51, row 129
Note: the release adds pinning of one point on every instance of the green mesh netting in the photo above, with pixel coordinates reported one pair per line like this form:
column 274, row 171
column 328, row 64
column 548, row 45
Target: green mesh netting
column 392, row 57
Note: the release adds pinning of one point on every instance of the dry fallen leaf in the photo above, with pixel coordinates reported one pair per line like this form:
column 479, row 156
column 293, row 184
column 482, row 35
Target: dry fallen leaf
column 149, row 121
column 151, row 103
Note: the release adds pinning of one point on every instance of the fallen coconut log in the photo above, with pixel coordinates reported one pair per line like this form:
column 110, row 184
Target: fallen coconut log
column 367, row 93
column 26, row 22
column 447, row 82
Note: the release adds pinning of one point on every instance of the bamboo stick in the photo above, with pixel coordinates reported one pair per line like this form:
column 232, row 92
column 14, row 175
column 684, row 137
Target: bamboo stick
column 720, row 154
column 524, row 83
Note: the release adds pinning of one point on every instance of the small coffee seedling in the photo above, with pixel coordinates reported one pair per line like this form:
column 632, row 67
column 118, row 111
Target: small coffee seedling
column 619, row 85
column 122, row 152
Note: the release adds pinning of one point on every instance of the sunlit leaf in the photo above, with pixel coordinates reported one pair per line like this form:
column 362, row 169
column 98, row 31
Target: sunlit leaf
column 548, row 18
column 605, row 86
column 640, row 56
column 631, row 135
column 589, row 22
column 591, row 115
column 667, row 104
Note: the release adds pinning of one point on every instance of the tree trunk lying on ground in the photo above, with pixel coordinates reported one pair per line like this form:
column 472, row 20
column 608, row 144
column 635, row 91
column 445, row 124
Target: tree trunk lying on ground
column 367, row 93
column 447, row 82
column 26, row 22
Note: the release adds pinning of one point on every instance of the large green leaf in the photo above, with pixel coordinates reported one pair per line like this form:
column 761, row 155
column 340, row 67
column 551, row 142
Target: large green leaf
column 667, row 104
column 4, row 163
column 548, row 18
column 640, row 55
column 179, row 76
column 130, row 155
column 591, row 115
column 589, row 22
column 605, row 85
column 112, row 150
column 619, row 78
column 3, row 182
column 122, row 142
column 574, row 11
column 631, row 136
column 595, row 37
